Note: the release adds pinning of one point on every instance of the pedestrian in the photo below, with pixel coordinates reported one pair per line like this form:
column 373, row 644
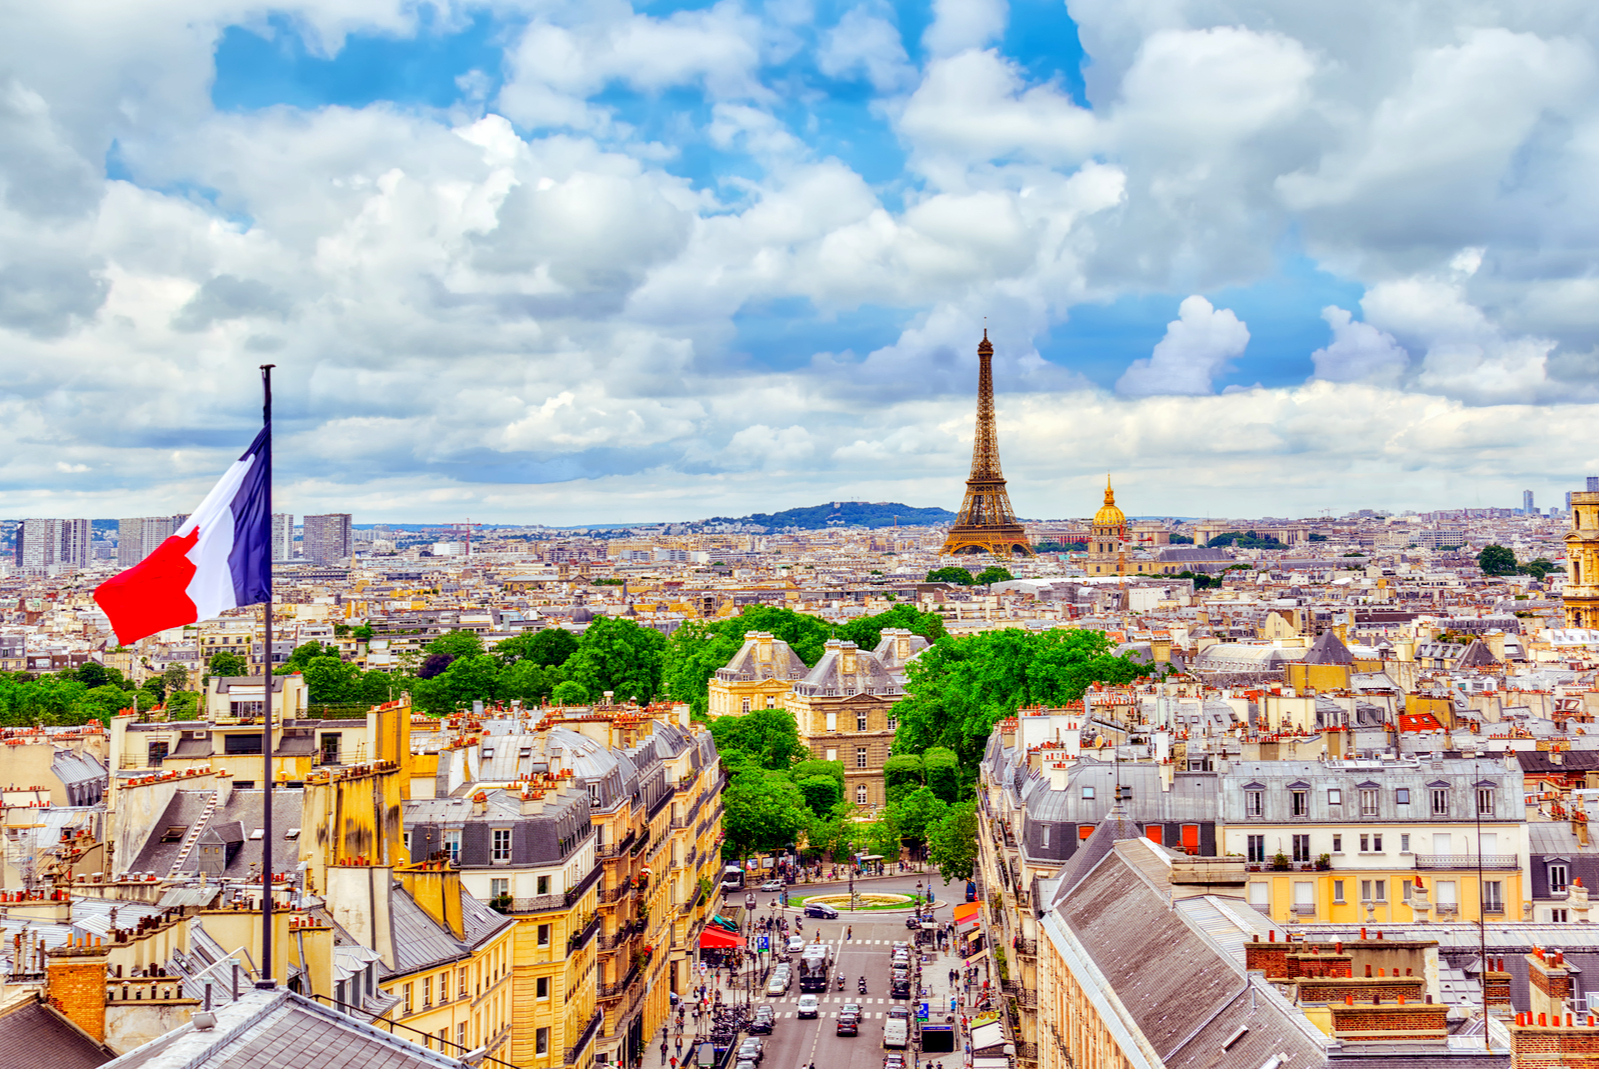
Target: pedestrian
column 849, row 932
column 663, row 1052
column 673, row 1062
column 680, row 1039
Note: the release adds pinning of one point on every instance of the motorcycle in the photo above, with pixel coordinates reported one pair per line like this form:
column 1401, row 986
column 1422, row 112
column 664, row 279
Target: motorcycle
column 841, row 981
column 861, row 985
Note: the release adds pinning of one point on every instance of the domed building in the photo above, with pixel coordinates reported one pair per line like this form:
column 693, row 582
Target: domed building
column 1108, row 538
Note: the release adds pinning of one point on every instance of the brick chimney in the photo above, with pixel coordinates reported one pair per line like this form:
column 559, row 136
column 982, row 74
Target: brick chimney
column 75, row 983
column 1549, row 982
column 1568, row 1042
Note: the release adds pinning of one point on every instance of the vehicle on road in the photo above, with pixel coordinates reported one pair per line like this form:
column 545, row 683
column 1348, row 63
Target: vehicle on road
column 732, row 877
column 822, row 911
column 751, row 1049
column 896, row 1033
column 778, row 983
column 771, row 885
column 901, row 1012
column 899, row 988
column 797, row 943
column 743, row 1063
column 761, row 1023
column 815, row 961
column 807, row 1006
column 848, row 1025
column 913, row 922
column 850, row 1008
column 894, row 1060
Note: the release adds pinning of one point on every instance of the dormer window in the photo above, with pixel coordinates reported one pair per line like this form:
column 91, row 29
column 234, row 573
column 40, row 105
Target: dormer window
column 1255, row 803
column 1300, row 803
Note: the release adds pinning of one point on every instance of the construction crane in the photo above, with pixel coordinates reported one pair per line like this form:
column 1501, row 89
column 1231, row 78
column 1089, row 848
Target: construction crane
column 465, row 531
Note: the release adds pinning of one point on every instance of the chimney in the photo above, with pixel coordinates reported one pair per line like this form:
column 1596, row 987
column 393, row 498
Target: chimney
column 436, row 887
column 358, row 900
column 75, row 983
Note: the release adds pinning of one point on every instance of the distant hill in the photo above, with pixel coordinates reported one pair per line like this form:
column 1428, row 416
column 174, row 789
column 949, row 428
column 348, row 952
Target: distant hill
column 845, row 514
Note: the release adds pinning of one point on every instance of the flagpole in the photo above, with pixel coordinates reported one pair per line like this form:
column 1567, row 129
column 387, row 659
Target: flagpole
column 266, row 694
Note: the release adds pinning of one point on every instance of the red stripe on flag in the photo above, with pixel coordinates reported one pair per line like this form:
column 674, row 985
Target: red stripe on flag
column 153, row 595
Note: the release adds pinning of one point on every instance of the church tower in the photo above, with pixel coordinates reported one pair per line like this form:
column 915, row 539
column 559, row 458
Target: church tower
column 1108, row 538
column 986, row 523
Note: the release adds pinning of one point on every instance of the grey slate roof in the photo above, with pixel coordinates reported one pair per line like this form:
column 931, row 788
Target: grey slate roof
column 845, row 670
column 31, row 1029
column 245, row 808
column 1327, row 649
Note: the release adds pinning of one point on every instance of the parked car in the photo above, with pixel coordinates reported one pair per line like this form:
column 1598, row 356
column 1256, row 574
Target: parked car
column 807, row 1006
column 894, row 1060
column 761, row 1023
column 778, row 984
column 899, row 1011
column 822, row 911
column 771, row 885
column 797, row 943
column 751, row 1049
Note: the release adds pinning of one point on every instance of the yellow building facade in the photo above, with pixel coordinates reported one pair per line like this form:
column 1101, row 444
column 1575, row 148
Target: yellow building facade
column 1581, row 597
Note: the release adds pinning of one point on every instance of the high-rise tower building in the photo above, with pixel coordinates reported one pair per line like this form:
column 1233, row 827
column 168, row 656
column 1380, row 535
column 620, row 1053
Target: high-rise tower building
column 986, row 523
column 1527, row 503
column 282, row 535
column 45, row 543
column 325, row 539
column 138, row 536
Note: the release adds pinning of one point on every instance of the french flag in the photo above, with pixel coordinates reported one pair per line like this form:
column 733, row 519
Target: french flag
column 220, row 559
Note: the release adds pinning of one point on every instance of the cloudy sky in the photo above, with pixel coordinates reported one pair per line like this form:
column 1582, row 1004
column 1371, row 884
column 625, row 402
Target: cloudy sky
column 585, row 261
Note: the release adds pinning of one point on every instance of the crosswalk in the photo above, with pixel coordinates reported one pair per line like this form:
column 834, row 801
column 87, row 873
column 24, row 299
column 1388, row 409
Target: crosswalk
column 866, row 1015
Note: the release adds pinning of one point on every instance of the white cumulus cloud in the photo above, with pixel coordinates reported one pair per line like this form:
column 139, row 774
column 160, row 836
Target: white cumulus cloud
column 1196, row 348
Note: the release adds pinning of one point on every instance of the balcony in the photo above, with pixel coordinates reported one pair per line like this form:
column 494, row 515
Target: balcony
column 1028, row 948
column 615, row 849
column 581, row 938
column 617, row 989
column 1468, row 861
column 590, row 1030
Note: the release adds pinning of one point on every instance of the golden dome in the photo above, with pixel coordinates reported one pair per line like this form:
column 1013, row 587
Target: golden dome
column 1109, row 515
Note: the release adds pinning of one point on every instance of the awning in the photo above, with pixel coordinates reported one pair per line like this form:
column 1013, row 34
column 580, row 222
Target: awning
column 966, row 911
column 714, row 938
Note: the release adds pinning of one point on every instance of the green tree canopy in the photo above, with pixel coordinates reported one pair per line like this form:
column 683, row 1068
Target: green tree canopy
column 764, row 810
column 960, row 688
column 833, row 834
column 817, row 767
column 950, row 574
column 530, row 682
column 569, row 693
column 822, row 793
column 456, row 644
column 769, row 736
column 867, row 631
column 943, row 770
column 992, row 574
column 1497, row 560
column 916, row 813
column 224, row 663
column 1538, row 568
column 548, row 648
column 953, row 842
column 700, row 647
column 618, row 655
column 174, row 677
column 902, row 774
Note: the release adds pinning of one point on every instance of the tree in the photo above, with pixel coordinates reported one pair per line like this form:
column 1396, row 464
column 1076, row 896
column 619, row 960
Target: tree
column 700, row 647
column 953, row 842
column 943, row 771
column 331, row 681
column 866, row 631
column 1538, row 568
column 764, row 810
column 546, row 648
column 817, row 767
column 992, row 574
column 620, row 656
column 362, row 633
column 456, row 644
column 950, row 574
column 174, row 677
column 1497, row 560
column 434, row 664
column 183, row 705
column 821, row 793
column 224, row 663
column 303, row 655
column 769, row 736
column 916, row 813
column 569, row 693
column 902, row 774
column 530, row 682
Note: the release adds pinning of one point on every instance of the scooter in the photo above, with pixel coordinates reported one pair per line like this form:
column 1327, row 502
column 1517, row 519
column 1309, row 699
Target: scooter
column 862, row 985
column 841, row 981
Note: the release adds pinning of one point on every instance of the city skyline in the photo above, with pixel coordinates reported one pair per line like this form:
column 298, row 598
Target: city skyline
column 732, row 258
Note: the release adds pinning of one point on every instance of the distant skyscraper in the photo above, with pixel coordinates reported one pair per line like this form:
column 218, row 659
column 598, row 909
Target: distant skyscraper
column 45, row 543
column 75, row 548
column 325, row 539
column 1527, row 502
column 282, row 535
column 138, row 536
column 1592, row 484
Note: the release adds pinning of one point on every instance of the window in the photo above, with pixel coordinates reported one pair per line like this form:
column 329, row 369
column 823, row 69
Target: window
column 405, row 998
column 158, row 753
column 501, row 848
column 861, row 794
column 427, row 991
column 1335, row 796
column 1402, row 796
column 1364, row 844
column 461, row 983
column 1486, row 801
column 330, row 748
column 832, row 755
column 543, row 884
column 1305, row 898
column 541, row 988
column 1492, row 900
column 1302, row 847
column 1441, row 801
column 1558, row 916
column 1255, row 848
column 461, row 1035
column 499, row 888
column 861, row 721
column 1445, row 894
column 1254, row 805
column 1369, row 803
column 544, row 935
column 893, row 723
column 1044, row 835
column 1088, row 794
column 1300, row 802
column 541, row 1041
column 833, row 721
column 1338, row 892
column 1377, row 843
column 452, row 845
column 861, row 757
column 744, row 705
column 1260, row 895
column 1558, row 878
column 1405, row 844
column 1338, row 844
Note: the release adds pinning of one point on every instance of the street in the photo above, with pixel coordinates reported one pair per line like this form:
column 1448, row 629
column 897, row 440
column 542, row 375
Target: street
column 797, row 1042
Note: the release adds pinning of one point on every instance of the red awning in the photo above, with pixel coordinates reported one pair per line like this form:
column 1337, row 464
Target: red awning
column 715, row 938
column 966, row 911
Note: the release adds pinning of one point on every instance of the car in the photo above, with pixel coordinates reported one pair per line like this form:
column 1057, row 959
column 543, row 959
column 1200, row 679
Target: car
column 894, row 1060
column 913, row 922
column 821, row 911
column 899, row 974
column 778, row 984
column 807, row 1006
column 751, row 1049
column 898, row 1011
column 851, row 1008
column 848, row 1025
column 797, row 943
column 771, row 885
column 744, row 1063
column 761, row 1023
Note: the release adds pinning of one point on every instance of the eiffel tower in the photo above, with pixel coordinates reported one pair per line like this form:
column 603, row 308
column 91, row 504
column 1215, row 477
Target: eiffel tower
column 986, row 523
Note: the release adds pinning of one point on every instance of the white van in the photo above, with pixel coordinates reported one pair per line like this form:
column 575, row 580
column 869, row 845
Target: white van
column 895, row 1033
